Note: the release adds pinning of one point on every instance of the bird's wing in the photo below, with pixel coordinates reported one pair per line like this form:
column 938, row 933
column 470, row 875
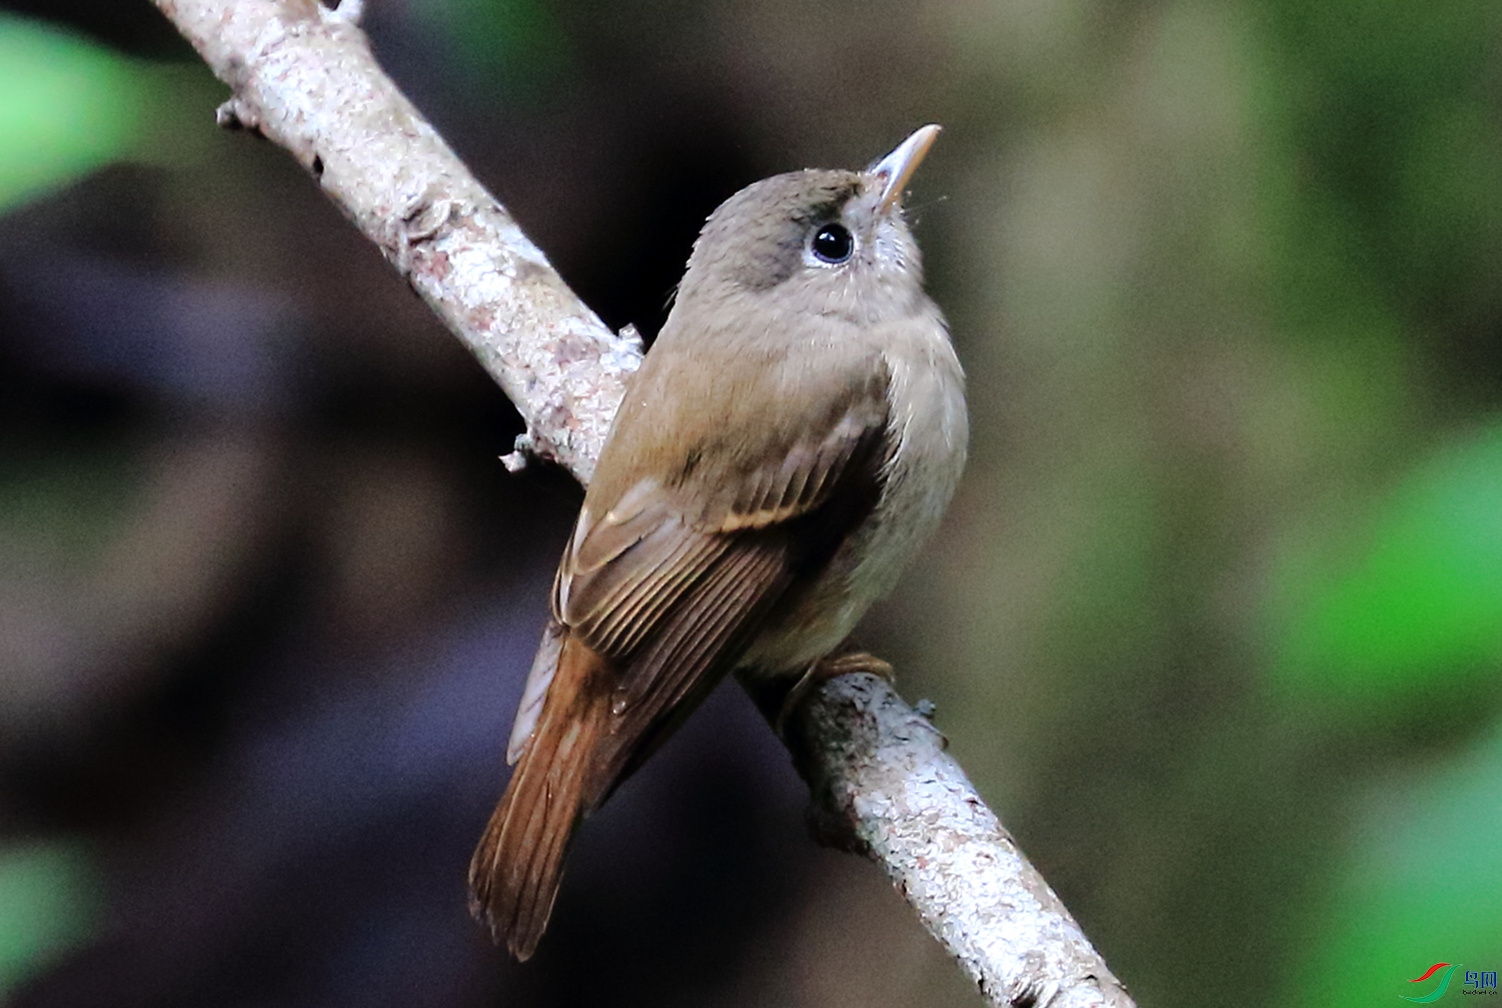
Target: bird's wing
column 669, row 589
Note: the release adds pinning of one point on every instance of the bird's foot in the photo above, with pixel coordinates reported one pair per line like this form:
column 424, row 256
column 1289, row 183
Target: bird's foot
column 827, row 668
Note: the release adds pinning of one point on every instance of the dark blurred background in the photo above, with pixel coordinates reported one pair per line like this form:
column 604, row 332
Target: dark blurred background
column 1215, row 622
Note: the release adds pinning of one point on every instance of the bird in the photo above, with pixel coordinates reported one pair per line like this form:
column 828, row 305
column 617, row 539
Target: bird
column 789, row 443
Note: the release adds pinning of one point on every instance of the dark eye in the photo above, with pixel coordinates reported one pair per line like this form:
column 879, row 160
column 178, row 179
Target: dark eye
column 833, row 243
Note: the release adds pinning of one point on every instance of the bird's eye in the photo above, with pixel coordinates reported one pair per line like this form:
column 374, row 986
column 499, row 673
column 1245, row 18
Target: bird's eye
column 833, row 243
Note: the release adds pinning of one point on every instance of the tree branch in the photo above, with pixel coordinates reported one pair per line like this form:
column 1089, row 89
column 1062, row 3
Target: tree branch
column 881, row 783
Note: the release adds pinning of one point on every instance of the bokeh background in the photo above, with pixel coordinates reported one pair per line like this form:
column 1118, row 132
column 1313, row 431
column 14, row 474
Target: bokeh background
column 1215, row 622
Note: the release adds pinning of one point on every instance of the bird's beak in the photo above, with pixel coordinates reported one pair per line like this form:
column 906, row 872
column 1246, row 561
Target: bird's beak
column 897, row 167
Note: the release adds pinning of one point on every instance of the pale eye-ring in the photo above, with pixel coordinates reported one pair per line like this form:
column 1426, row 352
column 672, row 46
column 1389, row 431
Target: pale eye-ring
column 833, row 243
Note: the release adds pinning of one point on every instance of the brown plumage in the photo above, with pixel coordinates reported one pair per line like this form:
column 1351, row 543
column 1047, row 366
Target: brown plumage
column 786, row 446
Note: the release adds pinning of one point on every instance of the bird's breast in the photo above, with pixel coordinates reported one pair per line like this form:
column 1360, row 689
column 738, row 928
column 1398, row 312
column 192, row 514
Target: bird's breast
column 928, row 431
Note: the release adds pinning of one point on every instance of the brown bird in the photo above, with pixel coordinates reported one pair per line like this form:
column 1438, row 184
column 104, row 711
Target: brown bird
column 789, row 443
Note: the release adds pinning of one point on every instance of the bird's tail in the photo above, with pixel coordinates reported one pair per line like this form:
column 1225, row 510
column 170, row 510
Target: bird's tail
column 515, row 872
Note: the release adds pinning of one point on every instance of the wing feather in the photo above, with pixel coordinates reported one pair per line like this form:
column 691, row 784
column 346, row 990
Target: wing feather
column 618, row 605
column 670, row 584
column 690, row 653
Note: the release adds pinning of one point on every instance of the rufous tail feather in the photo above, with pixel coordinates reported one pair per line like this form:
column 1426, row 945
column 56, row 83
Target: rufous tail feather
column 516, row 870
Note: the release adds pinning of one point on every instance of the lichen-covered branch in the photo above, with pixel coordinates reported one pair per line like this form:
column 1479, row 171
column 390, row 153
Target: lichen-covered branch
column 304, row 76
column 883, row 785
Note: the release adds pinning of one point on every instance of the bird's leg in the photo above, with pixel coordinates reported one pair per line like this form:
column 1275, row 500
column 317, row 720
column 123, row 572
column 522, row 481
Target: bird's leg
column 845, row 660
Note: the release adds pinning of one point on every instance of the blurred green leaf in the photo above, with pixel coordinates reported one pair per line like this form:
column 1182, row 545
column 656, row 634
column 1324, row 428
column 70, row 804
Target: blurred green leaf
column 1420, row 887
column 512, row 45
column 1418, row 610
column 1393, row 110
column 67, row 106
column 47, row 904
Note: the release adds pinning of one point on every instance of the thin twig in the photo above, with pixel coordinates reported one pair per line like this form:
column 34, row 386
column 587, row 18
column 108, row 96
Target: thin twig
column 880, row 780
